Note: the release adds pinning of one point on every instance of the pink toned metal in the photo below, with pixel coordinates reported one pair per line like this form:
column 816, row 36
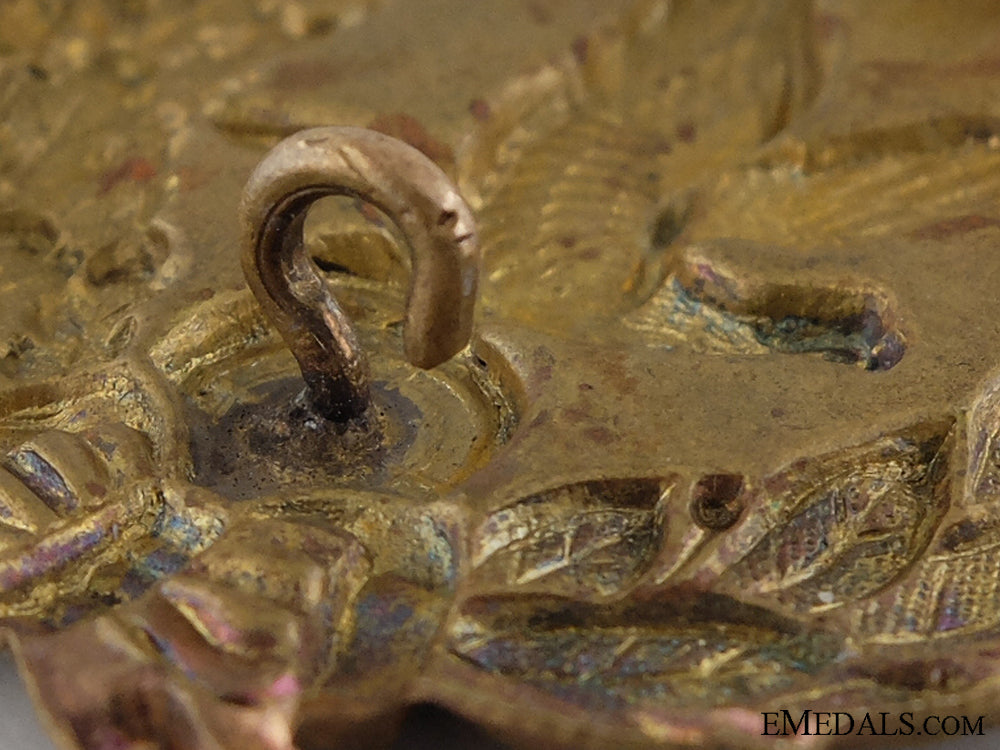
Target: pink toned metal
column 416, row 195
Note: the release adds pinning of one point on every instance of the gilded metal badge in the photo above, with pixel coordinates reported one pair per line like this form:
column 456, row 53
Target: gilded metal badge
column 608, row 373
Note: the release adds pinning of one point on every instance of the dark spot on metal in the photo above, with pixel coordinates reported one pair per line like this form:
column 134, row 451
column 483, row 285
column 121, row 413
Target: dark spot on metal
column 668, row 225
column 96, row 489
column 828, row 25
column 660, row 145
column 687, row 132
column 540, row 12
column 600, row 435
column 305, row 74
column 411, row 131
column 958, row 225
column 135, row 169
column 965, row 534
column 260, row 639
column 581, row 48
column 480, row 109
column 716, row 501
column 543, row 355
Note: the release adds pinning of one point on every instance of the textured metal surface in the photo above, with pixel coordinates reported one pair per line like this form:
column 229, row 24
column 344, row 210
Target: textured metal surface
column 723, row 440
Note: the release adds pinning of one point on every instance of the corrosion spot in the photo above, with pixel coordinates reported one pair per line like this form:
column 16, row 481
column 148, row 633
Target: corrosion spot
column 687, row 132
column 297, row 75
column 410, row 130
column 599, row 435
column 480, row 109
column 135, row 169
column 96, row 489
column 540, row 13
column 958, row 225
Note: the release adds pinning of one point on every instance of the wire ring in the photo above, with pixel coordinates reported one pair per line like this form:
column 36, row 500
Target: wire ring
column 416, row 195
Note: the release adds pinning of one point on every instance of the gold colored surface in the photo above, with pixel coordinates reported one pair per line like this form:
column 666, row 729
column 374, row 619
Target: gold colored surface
column 724, row 441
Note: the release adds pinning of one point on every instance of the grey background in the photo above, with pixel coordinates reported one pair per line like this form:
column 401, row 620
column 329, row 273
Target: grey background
column 427, row 729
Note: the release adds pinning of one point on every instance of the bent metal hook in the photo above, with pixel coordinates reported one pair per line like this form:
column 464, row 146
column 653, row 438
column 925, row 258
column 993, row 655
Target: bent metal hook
column 411, row 190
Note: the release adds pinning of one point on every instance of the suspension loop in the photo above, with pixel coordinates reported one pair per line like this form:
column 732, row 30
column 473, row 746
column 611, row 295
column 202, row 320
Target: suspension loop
column 416, row 195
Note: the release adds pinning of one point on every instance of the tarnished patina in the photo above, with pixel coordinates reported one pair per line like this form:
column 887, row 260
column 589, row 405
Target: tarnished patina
column 723, row 438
